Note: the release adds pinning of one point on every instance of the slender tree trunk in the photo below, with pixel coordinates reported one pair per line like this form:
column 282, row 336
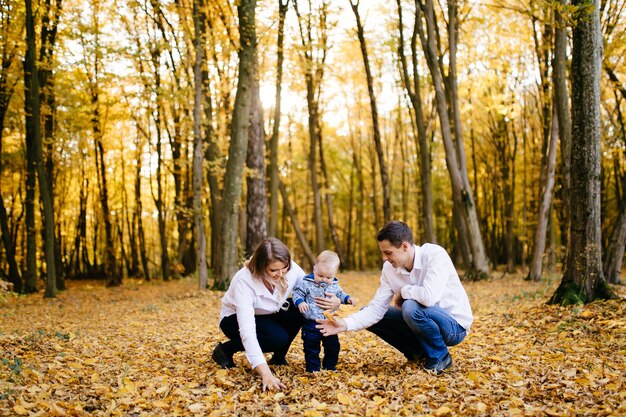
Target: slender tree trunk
column 615, row 248
column 583, row 279
column 273, row 146
column 6, row 91
column 462, row 193
column 413, row 90
column 384, row 176
column 159, row 198
column 141, row 240
column 313, row 73
column 329, row 208
column 256, row 206
column 198, row 150
column 227, row 265
column 536, row 263
column 14, row 271
column 561, row 101
column 296, row 226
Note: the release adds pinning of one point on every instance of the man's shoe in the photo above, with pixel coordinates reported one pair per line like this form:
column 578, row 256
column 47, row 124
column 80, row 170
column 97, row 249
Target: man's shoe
column 414, row 358
column 222, row 358
column 439, row 367
column 278, row 361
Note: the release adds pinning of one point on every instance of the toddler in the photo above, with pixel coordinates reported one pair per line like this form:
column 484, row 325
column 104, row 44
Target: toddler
column 321, row 282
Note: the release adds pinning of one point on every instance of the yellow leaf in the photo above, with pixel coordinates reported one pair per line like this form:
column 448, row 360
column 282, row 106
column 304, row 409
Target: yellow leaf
column 56, row 410
column 160, row 404
column 279, row 396
column 343, row 398
column 378, row 400
column 221, row 373
column 313, row 413
column 20, row 410
column 443, row 411
column 197, row 408
column 480, row 407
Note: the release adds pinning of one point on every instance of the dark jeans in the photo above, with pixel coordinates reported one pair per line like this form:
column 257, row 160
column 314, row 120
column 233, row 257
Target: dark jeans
column 419, row 332
column 312, row 339
column 275, row 332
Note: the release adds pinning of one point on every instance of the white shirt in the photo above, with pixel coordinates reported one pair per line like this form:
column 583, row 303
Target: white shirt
column 432, row 281
column 246, row 297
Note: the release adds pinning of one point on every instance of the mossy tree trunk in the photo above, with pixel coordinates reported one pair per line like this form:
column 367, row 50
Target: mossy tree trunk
column 583, row 280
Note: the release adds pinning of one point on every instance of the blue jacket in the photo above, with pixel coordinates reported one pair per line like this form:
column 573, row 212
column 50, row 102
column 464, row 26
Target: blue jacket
column 307, row 290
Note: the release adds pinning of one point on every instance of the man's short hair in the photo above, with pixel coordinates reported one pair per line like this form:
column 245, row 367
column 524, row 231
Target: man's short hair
column 396, row 232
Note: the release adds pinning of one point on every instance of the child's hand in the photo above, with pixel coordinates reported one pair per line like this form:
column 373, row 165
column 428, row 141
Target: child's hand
column 351, row 301
column 303, row 307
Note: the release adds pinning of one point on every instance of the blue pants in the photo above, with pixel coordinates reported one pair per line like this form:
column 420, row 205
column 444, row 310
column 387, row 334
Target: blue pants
column 312, row 338
column 275, row 332
column 419, row 332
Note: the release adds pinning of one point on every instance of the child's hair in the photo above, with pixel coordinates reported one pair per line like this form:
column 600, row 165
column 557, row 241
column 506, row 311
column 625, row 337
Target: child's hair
column 396, row 232
column 329, row 259
column 267, row 251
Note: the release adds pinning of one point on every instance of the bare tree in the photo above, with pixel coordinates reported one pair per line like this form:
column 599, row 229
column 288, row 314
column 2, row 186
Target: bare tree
column 273, row 143
column 198, row 150
column 384, row 176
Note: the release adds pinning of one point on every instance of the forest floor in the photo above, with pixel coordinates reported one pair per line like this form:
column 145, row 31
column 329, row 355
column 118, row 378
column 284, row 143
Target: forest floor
column 145, row 348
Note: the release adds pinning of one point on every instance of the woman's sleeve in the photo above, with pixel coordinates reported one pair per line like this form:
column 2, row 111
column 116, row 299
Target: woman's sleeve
column 244, row 305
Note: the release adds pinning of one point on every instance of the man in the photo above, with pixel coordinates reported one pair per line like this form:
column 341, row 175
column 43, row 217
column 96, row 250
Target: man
column 420, row 308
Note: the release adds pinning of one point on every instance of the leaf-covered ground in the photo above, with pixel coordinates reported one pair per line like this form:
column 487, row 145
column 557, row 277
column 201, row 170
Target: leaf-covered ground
column 144, row 349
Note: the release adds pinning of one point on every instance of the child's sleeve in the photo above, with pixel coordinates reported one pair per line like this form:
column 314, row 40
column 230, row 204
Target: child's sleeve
column 299, row 294
column 342, row 295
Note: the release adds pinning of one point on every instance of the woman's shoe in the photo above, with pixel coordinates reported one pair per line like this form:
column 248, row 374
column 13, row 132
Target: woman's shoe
column 222, row 358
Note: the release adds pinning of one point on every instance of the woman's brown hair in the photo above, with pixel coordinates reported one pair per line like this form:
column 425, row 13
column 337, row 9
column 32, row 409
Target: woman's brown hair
column 267, row 251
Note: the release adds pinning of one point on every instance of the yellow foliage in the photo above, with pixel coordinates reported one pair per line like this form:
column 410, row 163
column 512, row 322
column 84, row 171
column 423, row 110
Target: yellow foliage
column 521, row 357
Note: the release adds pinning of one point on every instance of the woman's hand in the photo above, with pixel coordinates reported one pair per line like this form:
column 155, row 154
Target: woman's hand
column 330, row 302
column 269, row 381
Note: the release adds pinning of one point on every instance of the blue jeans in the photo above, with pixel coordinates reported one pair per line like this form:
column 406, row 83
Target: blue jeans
column 419, row 332
column 312, row 338
column 275, row 332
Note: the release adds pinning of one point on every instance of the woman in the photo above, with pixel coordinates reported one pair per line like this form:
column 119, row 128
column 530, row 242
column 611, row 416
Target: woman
column 256, row 314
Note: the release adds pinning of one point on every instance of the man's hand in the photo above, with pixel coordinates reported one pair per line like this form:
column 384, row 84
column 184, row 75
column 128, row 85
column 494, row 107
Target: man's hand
column 330, row 302
column 303, row 307
column 397, row 300
column 329, row 328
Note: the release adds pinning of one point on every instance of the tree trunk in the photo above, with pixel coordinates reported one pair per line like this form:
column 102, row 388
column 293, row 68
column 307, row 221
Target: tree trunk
column 547, row 180
column 413, row 90
column 273, row 145
column 159, row 198
column 461, row 191
column 583, row 279
column 6, row 91
column 33, row 135
column 233, row 178
column 296, row 226
column 561, row 101
column 313, row 73
column 198, row 150
column 329, row 208
column 615, row 248
column 256, row 198
column 384, row 176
